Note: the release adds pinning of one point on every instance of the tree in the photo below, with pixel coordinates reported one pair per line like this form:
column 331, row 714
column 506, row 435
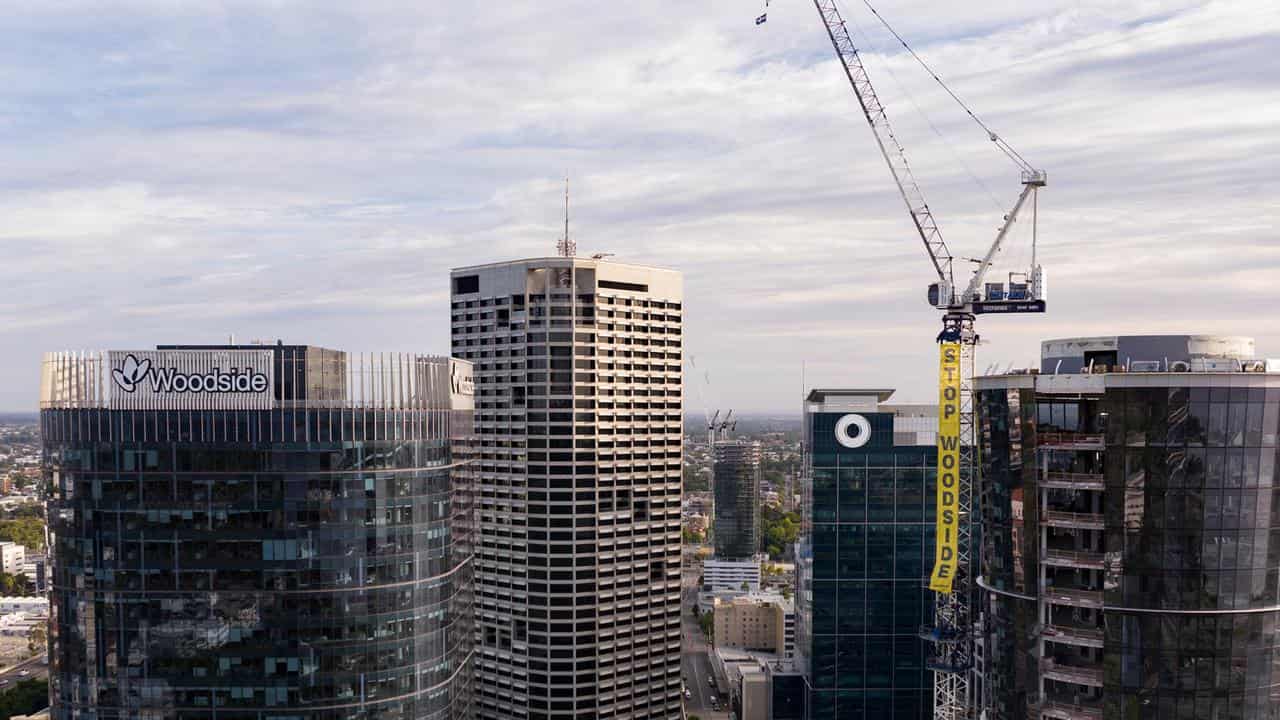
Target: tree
column 12, row 584
column 37, row 638
column 26, row 531
column 707, row 623
column 25, row 698
column 780, row 530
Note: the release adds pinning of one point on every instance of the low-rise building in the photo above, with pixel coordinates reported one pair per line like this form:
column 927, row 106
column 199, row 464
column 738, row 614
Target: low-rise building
column 758, row 621
column 12, row 556
column 731, row 574
column 35, row 569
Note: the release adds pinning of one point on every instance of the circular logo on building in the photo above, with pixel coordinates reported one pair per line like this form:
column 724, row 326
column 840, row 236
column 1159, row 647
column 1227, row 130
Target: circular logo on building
column 861, row 431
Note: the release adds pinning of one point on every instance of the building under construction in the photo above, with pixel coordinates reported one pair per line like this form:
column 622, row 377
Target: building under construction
column 1129, row 561
column 737, row 498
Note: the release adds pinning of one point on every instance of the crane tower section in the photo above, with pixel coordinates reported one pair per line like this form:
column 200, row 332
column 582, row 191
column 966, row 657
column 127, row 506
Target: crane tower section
column 952, row 633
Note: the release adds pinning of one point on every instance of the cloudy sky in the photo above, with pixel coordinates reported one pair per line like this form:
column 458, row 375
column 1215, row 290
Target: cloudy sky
column 178, row 172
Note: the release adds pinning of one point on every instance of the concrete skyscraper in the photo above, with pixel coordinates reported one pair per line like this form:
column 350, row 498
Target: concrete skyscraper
column 579, row 415
column 257, row 531
column 737, row 496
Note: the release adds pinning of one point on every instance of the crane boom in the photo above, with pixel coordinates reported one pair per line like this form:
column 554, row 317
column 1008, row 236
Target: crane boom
column 890, row 148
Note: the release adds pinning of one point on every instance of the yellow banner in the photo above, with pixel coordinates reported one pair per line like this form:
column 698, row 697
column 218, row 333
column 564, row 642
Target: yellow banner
column 945, row 557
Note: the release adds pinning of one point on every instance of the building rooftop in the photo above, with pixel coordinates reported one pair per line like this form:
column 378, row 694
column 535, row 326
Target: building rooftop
column 821, row 394
column 558, row 260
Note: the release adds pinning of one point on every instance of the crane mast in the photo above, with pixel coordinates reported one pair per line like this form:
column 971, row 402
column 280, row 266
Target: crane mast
column 952, row 659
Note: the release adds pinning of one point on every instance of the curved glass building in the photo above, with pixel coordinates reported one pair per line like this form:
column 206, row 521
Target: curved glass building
column 258, row 532
column 1131, row 531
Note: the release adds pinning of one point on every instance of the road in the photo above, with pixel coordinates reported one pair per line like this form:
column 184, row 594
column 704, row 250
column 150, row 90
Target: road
column 694, row 663
column 35, row 667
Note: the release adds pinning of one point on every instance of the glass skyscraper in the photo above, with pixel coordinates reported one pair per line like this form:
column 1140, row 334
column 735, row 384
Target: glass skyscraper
column 1131, row 519
column 864, row 561
column 252, row 532
column 736, row 470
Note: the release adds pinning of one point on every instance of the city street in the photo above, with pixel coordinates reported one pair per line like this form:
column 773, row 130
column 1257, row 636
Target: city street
column 694, row 663
column 35, row 668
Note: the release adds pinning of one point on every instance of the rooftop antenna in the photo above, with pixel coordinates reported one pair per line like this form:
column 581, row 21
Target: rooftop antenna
column 566, row 247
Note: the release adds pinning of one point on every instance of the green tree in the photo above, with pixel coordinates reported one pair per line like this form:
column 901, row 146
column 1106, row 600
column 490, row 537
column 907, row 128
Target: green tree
column 779, row 530
column 37, row 638
column 706, row 621
column 24, row 698
column 13, row 584
column 26, row 531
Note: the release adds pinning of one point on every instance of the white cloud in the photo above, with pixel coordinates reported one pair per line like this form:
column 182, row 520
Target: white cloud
column 192, row 170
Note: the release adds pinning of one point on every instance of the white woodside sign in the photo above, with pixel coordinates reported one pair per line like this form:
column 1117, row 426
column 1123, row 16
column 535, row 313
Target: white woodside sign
column 191, row 379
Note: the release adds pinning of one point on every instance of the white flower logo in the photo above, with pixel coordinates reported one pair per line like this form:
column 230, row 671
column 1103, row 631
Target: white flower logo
column 132, row 373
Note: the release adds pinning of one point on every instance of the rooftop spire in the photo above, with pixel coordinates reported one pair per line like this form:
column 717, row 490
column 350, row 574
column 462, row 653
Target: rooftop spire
column 566, row 247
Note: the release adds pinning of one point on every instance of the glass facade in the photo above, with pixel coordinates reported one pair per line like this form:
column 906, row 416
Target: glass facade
column 254, row 564
column 1132, row 546
column 863, row 573
column 737, row 497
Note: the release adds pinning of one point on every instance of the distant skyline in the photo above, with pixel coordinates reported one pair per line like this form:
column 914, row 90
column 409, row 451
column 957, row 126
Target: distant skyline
column 182, row 173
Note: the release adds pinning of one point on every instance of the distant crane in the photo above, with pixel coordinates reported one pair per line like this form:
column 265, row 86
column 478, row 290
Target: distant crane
column 953, row 657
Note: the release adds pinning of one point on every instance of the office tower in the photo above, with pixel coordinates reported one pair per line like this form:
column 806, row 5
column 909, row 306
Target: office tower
column 253, row 531
column 737, row 499
column 578, row 387
column 865, row 556
column 1130, row 556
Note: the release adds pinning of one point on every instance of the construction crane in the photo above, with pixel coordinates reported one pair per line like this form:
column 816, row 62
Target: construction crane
column 952, row 633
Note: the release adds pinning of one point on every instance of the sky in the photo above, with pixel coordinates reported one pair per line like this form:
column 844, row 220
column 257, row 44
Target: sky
column 185, row 172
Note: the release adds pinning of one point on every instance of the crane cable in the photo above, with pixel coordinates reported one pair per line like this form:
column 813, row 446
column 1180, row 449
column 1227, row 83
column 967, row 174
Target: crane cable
column 955, row 155
column 1005, row 147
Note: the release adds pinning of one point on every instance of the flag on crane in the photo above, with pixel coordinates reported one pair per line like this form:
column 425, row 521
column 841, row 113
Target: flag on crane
column 761, row 20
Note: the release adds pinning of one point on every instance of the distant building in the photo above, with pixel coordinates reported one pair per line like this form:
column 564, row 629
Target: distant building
column 865, row 555
column 12, row 556
column 1129, row 550
column 731, row 574
column 737, row 499
column 756, row 621
column 35, row 570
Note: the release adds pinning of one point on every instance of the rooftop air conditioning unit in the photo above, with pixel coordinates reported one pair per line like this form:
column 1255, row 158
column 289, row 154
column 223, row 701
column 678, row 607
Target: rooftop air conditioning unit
column 1179, row 366
column 1215, row 365
column 1254, row 366
column 1145, row 366
column 1273, row 365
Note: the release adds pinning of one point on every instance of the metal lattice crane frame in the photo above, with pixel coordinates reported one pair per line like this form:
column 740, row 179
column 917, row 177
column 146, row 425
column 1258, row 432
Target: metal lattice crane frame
column 953, row 659
column 890, row 148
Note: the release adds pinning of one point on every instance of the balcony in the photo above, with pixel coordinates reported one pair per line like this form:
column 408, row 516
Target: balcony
column 1080, row 559
column 1070, row 441
column 1079, row 521
column 1073, row 481
column 1053, row 709
column 1080, row 675
column 1091, row 599
column 1067, row 635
